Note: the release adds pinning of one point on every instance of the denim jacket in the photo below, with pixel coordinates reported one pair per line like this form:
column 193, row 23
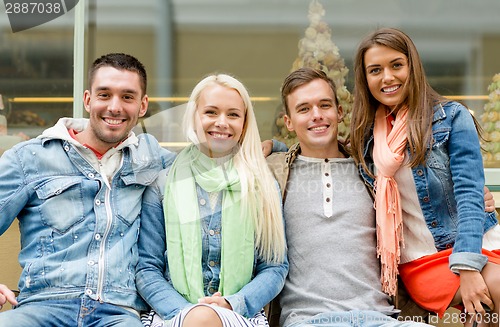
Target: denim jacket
column 153, row 279
column 450, row 186
column 78, row 236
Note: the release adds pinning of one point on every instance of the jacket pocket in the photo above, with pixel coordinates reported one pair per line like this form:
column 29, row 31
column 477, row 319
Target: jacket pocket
column 128, row 200
column 61, row 202
column 438, row 154
column 32, row 277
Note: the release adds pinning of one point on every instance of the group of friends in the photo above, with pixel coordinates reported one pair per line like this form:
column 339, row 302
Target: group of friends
column 117, row 231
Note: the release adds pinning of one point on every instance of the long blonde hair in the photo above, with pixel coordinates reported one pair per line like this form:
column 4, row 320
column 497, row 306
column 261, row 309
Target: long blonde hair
column 258, row 187
column 421, row 98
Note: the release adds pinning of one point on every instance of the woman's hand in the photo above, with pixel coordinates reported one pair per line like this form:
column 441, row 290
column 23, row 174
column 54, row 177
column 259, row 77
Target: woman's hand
column 474, row 292
column 217, row 300
column 489, row 201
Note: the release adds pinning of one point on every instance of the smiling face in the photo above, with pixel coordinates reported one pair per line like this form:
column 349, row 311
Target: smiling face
column 314, row 117
column 221, row 113
column 386, row 73
column 115, row 102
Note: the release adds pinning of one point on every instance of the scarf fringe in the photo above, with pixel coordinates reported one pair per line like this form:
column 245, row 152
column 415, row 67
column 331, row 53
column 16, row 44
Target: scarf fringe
column 389, row 276
column 389, row 260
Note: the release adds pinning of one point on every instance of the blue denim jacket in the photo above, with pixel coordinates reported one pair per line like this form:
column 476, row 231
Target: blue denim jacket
column 153, row 281
column 450, row 186
column 78, row 237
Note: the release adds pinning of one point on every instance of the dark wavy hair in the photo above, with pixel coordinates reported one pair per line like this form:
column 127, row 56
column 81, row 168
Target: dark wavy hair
column 120, row 61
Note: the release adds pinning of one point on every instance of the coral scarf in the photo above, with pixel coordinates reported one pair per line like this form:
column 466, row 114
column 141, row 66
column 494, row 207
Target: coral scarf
column 183, row 227
column 388, row 155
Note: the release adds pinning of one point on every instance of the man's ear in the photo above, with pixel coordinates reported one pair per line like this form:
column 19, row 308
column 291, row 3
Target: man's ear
column 288, row 123
column 340, row 113
column 86, row 100
column 144, row 105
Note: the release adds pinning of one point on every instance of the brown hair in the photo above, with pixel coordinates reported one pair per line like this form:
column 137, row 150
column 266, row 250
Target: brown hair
column 421, row 97
column 120, row 61
column 301, row 77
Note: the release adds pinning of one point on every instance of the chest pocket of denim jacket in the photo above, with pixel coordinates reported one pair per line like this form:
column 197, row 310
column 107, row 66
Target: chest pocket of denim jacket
column 128, row 201
column 438, row 156
column 61, row 202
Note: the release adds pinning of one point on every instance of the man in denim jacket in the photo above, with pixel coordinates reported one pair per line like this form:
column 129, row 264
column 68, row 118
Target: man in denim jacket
column 77, row 192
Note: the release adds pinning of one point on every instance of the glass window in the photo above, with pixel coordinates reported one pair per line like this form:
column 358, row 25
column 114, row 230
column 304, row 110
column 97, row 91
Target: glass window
column 257, row 41
column 36, row 77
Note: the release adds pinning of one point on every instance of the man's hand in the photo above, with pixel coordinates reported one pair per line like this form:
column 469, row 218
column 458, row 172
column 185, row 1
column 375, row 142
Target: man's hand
column 217, row 300
column 6, row 295
column 267, row 148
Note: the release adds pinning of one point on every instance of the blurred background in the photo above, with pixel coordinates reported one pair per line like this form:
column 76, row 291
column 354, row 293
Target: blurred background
column 257, row 41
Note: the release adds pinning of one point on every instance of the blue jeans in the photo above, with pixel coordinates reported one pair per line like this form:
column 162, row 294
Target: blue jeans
column 81, row 312
column 355, row 319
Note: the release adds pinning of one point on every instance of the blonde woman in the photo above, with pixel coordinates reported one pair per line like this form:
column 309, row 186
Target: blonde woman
column 222, row 258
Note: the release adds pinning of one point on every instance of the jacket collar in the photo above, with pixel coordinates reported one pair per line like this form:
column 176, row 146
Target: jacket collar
column 439, row 113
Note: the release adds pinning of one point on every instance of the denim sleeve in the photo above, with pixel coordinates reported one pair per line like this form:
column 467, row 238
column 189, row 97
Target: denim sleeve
column 13, row 194
column 152, row 271
column 167, row 157
column 467, row 261
column 279, row 146
column 265, row 286
column 467, row 172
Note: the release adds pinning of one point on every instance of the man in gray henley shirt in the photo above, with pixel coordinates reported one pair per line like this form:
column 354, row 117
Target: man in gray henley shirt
column 334, row 277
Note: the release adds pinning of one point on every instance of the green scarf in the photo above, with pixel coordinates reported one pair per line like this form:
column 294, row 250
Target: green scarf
column 183, row 228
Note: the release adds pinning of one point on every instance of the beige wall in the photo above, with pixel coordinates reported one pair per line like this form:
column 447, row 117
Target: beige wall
column 9, row 249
